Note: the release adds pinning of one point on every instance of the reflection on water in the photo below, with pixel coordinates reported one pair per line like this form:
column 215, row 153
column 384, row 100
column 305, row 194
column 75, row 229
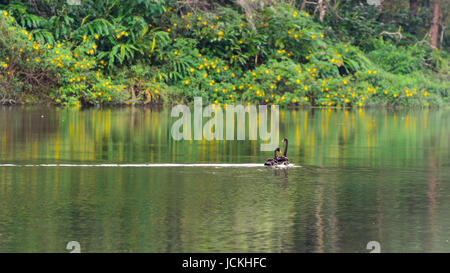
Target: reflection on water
column 367, row 175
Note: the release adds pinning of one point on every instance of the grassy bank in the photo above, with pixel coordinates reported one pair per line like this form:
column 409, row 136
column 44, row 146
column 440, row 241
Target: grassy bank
column 141, row 52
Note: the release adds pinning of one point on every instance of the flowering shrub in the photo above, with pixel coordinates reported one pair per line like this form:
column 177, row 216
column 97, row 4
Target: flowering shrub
column 281, row 57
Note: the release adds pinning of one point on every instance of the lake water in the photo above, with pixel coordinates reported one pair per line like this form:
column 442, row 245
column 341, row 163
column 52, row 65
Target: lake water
column 362, row 175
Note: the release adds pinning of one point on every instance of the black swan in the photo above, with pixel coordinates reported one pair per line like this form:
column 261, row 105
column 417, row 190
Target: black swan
column 272, row 161
column 283, row 159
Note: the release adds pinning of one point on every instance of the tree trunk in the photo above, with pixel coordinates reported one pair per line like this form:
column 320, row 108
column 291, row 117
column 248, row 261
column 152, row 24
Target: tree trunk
column 303, row 6
column 413, row 7
column 133, row 95
column 323, row 4
column 434, row 29
column 380, row 7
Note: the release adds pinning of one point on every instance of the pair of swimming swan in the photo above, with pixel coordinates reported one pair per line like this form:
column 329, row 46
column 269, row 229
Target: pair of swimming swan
column 278, row 160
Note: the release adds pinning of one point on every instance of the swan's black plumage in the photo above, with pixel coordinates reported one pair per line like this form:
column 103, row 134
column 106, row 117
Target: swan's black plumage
column 272, row 161
column 283, row 159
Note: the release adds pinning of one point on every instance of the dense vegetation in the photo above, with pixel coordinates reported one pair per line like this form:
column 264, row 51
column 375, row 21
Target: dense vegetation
column 341, row 53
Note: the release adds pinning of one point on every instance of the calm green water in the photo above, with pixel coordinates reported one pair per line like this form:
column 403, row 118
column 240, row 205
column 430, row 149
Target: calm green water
column 368, row 175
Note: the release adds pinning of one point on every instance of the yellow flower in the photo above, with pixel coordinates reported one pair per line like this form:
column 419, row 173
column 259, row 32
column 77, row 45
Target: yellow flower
column 96, row 36
column 220, row 33
column 186, row 82
column 425, row 94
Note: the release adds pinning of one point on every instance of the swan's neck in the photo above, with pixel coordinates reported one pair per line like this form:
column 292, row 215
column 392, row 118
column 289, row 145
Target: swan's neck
column 285, row 148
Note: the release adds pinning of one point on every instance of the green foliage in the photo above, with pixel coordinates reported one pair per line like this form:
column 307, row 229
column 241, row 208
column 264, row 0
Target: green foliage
column 146, row 52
